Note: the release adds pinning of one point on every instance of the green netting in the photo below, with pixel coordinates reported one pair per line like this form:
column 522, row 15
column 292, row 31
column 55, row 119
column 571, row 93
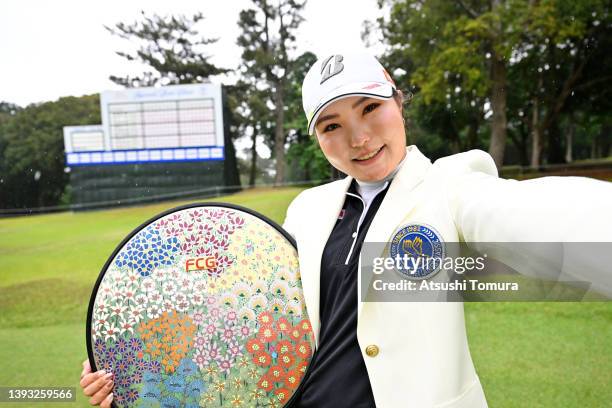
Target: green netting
column 146, row 182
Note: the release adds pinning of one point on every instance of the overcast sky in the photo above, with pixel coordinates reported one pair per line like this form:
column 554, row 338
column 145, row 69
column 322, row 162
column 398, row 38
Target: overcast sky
column 56, row 48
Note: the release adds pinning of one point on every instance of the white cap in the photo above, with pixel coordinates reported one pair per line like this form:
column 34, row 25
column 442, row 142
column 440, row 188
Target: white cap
column 342, row 75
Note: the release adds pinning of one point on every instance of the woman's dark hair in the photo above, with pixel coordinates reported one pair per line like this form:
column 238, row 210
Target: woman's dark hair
column 406, row 96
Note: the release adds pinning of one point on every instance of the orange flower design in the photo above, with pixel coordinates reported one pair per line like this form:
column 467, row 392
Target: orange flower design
column 282, row 394
column 303, row 350
column 169, row 337
column 305, row 326
column 286, row 360
column 262, row 359
column 283, row 325
column 284, row 347
column 266, row 334
column 295, row 334
column 265, row 384
column 265, row 319
column 302, row 366
column 276, row 373
column 292, row 379
column 254, row 346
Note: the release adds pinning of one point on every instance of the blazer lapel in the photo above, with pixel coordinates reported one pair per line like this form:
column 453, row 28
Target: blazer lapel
column 328, row 206
column 397, row 203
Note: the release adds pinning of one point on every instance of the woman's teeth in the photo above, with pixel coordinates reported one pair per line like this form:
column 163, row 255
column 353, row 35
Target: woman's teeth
column 369, row 156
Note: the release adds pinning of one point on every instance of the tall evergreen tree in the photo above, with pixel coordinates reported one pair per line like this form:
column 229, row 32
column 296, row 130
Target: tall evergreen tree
column 171, row 46
column 267, row 38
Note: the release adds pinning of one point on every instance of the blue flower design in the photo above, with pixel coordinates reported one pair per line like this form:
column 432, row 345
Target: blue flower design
column 154, row 366
column 131, row 395
column 175, row 383
column 151, row 392
column 151, row 379
column 191, row 403
column 196, row 388
column 129, row 358
column 135, row 344
column 147, row 251
column 100, row 346
column 111, row 354
column 123, row 381
column 187, row 368
column 121, row 345
column 170, row 402
column 108, row 366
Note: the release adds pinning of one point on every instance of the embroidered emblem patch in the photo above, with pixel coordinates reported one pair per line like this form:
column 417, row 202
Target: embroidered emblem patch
column 418, row 250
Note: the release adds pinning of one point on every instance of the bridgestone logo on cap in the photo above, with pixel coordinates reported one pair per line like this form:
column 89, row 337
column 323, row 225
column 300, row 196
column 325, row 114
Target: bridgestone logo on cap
column 326, row 69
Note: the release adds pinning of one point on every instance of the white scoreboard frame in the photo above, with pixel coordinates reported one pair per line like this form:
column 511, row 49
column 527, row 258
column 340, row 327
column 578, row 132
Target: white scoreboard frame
column 166, row 124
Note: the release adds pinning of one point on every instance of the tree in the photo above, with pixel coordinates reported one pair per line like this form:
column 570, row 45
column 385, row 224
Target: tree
column 460, row 51
column 171, row 46
column 7, row 111
column 268, row 36
column 174, row 49
column 304, row 154
column 33, row 165
column 448, row 72
column 517, row 62
column 256, row 119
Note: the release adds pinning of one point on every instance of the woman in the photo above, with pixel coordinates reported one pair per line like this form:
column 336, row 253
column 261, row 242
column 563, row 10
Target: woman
column 393, row 354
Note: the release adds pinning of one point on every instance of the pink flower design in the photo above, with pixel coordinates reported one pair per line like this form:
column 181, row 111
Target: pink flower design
column 173, row 217
column 202, row 251
column 212, row 351
column 161, row 223
column 227, row 334
column 234, row 350
column 238, row 221
column 200, row 359
column 205, row 228
column 186, row 226
column 196, row 215
column 210, row 330
column 231, row 316
column 173, row 232
column 198, row 317
column 222, row 245
column 225, row 365
column 243, row 332
column 200, row 342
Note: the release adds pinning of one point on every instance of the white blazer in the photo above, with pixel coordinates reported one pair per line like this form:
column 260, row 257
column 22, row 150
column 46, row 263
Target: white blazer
column 424, row 359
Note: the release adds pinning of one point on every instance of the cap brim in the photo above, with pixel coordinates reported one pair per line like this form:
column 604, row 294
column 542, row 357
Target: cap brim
column 370, row 89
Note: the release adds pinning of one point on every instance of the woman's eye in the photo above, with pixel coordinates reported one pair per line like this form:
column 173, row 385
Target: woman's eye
column 370, row 107
column 330, row 127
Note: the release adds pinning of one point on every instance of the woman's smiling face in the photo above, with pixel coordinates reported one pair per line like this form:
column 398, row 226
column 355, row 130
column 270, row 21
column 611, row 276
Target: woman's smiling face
column 362, row 137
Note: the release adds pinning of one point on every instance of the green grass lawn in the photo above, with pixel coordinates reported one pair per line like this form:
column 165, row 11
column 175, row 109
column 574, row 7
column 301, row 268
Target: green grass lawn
column 527, row 354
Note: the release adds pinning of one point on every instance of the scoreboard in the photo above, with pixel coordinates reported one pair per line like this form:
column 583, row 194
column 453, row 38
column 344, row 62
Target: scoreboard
column 167, row 124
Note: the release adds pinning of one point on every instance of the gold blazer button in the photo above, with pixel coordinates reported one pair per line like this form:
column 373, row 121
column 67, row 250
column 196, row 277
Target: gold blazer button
column 372, row 350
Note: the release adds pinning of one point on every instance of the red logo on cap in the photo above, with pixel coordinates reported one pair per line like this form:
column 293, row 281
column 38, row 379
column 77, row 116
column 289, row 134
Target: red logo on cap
column 388, row 76
column 371, row 86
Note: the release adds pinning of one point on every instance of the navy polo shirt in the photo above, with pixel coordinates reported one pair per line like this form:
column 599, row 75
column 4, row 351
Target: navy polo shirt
column 337, row 376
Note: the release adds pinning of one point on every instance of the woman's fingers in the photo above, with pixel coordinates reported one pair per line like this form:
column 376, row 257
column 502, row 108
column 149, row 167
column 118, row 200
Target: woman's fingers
column 92, row 383
column 86, row 368
column 87, row 379
column 103, row 395
column 107, row 401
